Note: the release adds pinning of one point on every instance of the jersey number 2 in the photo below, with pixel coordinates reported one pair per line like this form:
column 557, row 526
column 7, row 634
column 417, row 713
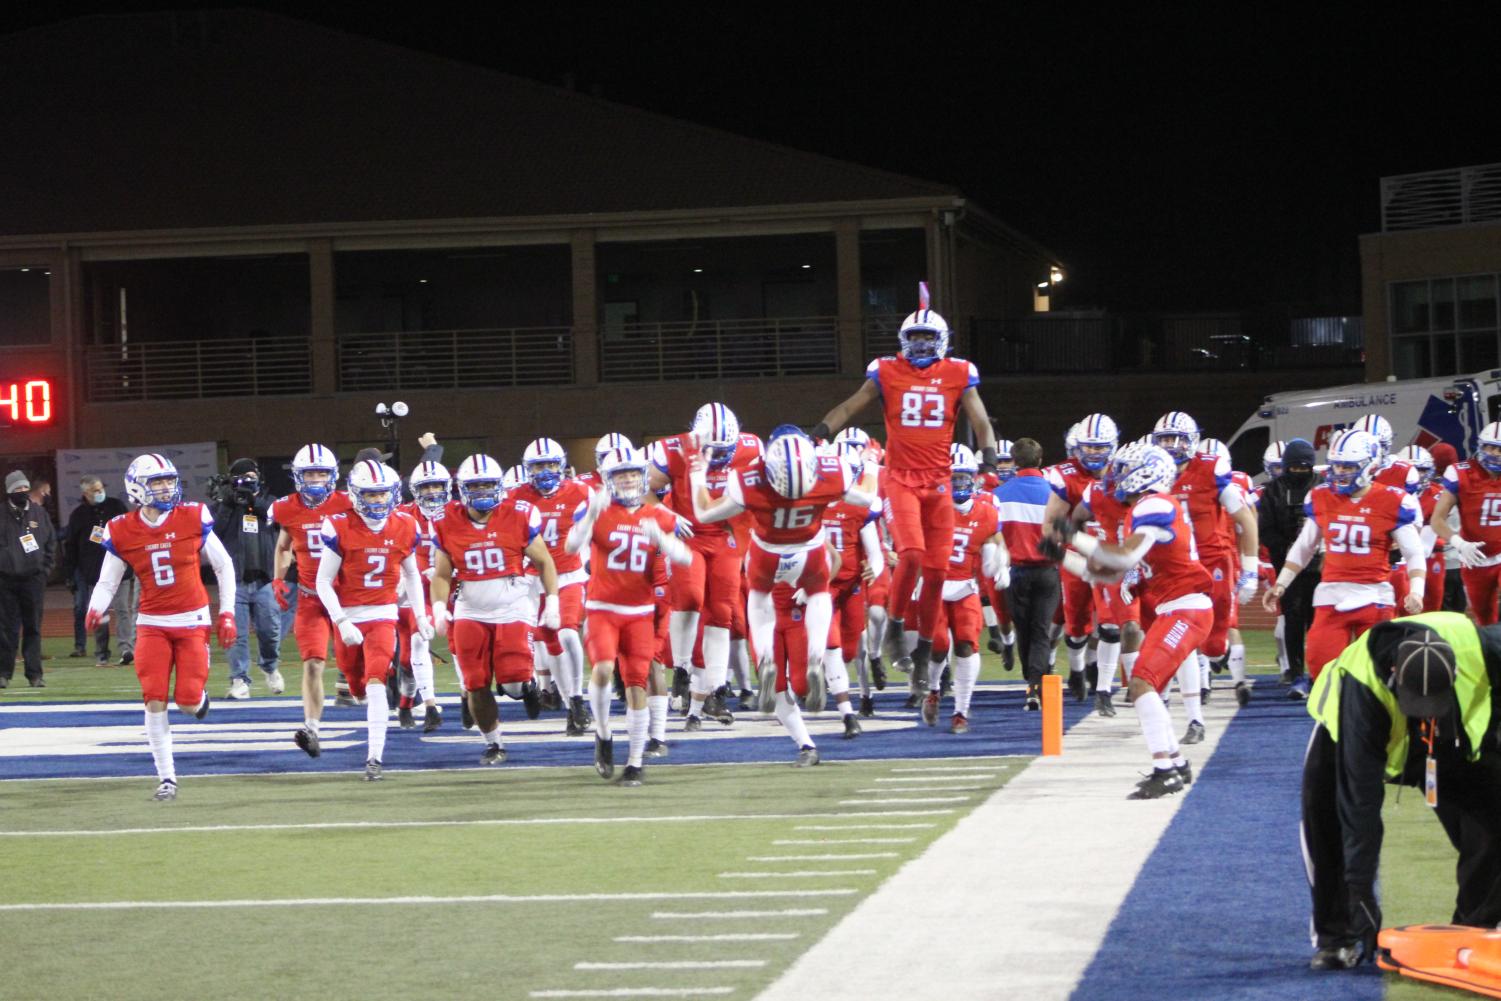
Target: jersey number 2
column 377, row 566
column 922, row 410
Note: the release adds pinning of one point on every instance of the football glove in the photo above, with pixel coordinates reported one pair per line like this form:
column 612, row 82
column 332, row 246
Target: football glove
column 283, row 594
column 1245, row 586
column 551, row 617
column 350, row 633
column 1470, row 553
column 440, row 619
column 92, row 620
column 226, row 630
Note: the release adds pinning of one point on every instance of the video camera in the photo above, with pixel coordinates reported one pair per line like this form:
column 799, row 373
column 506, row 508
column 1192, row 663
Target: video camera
column 223, row 488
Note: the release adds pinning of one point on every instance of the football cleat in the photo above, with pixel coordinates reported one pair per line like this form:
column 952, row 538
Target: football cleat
column 994, row 644
column 919, row 661
column 1243, row 693
column 550, row 699
column 867, row 706
column 851, row 727
column 495, row 754
column 747, row 700
column 372, row 771
column 959, row 724
column 1033, row 702
column 1220, row 665
column 692, row 724
column 1204, row 694
column 1299, row 689
column 894, row 644
column 720, row 715
column 344, row 700
column 807, row 756
column 1103, row 705
column 572, row 726
column 912, row 701
column 604, row 756
column 531, row 698
column 1195, row 733
column 1162, row 782
column 766, row 692
column 1076, row 685
column 632, row 775
column 466, row 718
column 680, row 684
column 818, row 692
column 586, row 717
column 308, row 741
column 1008, row 656
column 433, row 718
column 878, row 674
column 930, row 709
column 1335, row 957
column 166, row 791
column 404, row 717
column 202, row 710
column 656, row 748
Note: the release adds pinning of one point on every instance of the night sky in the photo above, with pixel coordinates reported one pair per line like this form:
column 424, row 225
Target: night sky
column 1173, row 160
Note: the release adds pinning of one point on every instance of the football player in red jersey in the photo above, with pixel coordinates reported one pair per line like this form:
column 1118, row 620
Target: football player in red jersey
column 161, row 544
column 315, row 474
column 624, row 534
column 1391, row 470
column 432, row 489
column 709, row 588
column 482, row 540
column 854, row 534
column 1474, row 487
column 1173, row 584
column 366, row 552
column 921, row 392
column 556, row 500
column 1117, row 607
column 606, row 444
column 1358, row 522
column 1430, row 490
column 978, row 550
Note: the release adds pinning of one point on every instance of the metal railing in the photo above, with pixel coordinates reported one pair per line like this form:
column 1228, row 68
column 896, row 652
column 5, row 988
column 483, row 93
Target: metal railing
column 179, row 370
column 719, row 349
column 1460, row 196
column 456, row 359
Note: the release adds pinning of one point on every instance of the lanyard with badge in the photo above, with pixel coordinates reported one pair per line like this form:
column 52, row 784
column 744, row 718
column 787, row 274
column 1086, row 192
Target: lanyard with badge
column 1430, row 774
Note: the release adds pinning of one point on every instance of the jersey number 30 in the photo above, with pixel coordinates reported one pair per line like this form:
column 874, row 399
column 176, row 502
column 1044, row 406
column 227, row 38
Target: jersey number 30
column 922, row 410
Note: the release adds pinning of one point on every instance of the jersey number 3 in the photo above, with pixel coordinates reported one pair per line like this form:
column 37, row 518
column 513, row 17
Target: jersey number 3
column 922, row 410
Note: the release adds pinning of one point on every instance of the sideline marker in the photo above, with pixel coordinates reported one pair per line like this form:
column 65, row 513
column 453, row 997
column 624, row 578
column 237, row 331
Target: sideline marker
column 1052, row 715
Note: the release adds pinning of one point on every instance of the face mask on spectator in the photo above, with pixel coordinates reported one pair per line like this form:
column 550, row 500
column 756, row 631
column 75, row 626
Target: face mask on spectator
column 97, row 497
column 18, row 500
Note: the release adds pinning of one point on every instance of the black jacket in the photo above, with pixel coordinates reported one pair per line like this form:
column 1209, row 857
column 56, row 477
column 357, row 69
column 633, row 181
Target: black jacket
column 1280, row 517
column 253, row 551
column 15, row 561
column 80, row 551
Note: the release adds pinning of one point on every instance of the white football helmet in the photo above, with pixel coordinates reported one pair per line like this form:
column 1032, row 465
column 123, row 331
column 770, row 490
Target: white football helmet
column 624, row 473
column 432, row 488
column 609, row 443
column 1142, row 469
column 963, row 468
column 375, row 489
column 1005, row 465
column 924, row 335
column 315, row 459
column 481, row 483
column 1488, row 449
column 1071, row 442
column 791, row 465
column 852, row 434
column 1177, row 434
column 1271, row 459
column 1214, row 447
column 1420, row 459
column 1096, row 438
column 1379, row 428
column 514, row 477
column 717, row 431
column 151, row 480
column 539, row 458
column 1353, row 457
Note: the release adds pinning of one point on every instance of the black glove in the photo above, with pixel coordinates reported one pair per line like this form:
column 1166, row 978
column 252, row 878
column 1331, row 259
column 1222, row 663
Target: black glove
column 821, row 432
column 1365, row 919
column 988, row 460
column 1055, row 539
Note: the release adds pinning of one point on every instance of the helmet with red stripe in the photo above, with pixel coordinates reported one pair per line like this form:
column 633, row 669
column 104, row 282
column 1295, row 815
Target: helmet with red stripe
column 1096, row 437
column 608, row 443
column 481, row 483
column 624, row 473
column 716, row 431
column 323, row 466
column 1488, row 449
column 1420, row 459
column 1379, row 428
column 1271, row 459
column 924, row 335
column 152, row 481
column 432, row 488
column 1177, row 434
column 1353, row 457
column 544, row 461
column 963, row 468
column 374, row 489
column 791, row 465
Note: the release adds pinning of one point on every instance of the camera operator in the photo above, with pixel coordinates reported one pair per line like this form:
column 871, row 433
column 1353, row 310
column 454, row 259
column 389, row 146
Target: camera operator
column 242, row 520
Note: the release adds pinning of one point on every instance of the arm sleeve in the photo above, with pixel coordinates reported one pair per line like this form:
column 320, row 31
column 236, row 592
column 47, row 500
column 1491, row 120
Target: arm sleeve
column 672, row 547
column 870, row 540
column 224, row 571
column 412, row 577
column 1410, row 542
column 328, row 569
column 1361, row 780
column 1232, row 499
column 1303, row 548
column 110, row 574
column 583, row 527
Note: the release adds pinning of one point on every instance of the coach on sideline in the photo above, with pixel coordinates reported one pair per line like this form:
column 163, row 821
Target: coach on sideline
column 1035, row 590
column 1411, row 702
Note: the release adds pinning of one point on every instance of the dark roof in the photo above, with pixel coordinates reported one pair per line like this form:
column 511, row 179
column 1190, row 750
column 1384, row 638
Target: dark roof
column 241, row 117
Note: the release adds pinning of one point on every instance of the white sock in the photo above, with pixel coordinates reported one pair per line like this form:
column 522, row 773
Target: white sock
column 636, row 724
column 1156, row 724
column 458, row 672
column 698, row 688
column 1128, row 662
column 1280, row 634
column 987, row 614
column 1076, row 653
column 311, row 725
column 682, row 629
column 761, row 622
column 1238, row 663
column 792, row 719
column 818, row 614
column 740, row 664
column 1188, row 687
column 836, row 677
column 935, row 673
column 1008, row 638
column 656, row 708
column 1109, row 660
column 1204, row 672
column 875, row 629
column 966, row 673
column 599, row 701
column 422, row 667
column 571, row 664
column 377, row 718
column 493, row 737
column 159, row 736
column 717, row 656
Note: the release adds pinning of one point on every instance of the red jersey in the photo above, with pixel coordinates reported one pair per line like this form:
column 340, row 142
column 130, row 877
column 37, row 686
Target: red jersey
column 1171, row 569
column 372, row 557
column 842, row 523
column 1397, row 474
column 427, row 543
column 670, row 456
column 782, row 522
column 972, row 529
column 1358, row 531
column 494, row 549
column 1477, row 496
column 164, row 556
column 1249, row 493
column 1426, row 501
column 1069, row 481
column 920, row 406
column 623, row 579
column 1108, row 513
column 558, row 511
column 305, row 527
column 591, row 481
column 1198, row 489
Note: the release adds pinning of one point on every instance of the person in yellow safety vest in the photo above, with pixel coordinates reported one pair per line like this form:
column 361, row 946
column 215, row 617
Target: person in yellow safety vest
column 1415, row 701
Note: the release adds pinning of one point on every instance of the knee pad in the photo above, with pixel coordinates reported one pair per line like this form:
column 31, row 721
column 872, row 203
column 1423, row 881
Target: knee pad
column 964, row 649
column 1110, row 634
column 1076, row 642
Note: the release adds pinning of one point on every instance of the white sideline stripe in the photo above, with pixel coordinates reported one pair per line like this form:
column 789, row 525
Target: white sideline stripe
column 677, row 964
column 844, row 841
column 493, row 898
column 887, row 802
column 790, row 912
column 943, row 768
column 946, row 778
column 336, row 825
column 866, row 827
column 736, row 936
column 822, row 858
column 635, row 992
column 1066, row 910
column 878, row 790
column 801, row 874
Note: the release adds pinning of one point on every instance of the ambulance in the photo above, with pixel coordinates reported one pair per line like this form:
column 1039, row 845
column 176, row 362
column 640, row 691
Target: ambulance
column 1421, row 411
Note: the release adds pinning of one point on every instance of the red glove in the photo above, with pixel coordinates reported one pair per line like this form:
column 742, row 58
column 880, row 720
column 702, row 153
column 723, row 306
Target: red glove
column 283, row 594
column 91, row 620
column 226, row 629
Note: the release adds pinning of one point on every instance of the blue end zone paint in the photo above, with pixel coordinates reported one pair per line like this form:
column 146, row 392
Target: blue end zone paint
column 999, row 727
column 1221, row 908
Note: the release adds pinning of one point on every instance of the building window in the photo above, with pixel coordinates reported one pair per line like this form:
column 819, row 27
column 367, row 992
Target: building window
column 1444, row 326
column 25, row 306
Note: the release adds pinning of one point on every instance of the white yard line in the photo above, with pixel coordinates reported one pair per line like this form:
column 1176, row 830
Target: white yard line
column 850, row 857
column 636, row 992
column 738, row 936
column 880, row 791
column 866, row 827
column 945, row 768
column 800, row 874
column 789, row 912
column 493, row 898
column 1059, row 914
column 843, row 841
column 968, row 777
column 891, row 802
column 678, row 964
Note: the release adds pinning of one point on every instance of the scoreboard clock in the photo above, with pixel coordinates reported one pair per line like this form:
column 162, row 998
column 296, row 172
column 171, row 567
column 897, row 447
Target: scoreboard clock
column 25, row 403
